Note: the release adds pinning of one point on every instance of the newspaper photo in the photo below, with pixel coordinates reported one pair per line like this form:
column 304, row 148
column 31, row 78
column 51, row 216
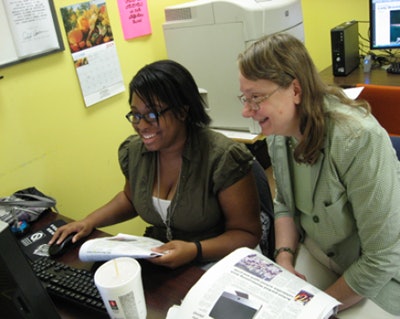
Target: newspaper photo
column 248, row 285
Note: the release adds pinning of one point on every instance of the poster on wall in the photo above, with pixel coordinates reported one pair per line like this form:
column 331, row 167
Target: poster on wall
column 135, row 19
column 93, row 50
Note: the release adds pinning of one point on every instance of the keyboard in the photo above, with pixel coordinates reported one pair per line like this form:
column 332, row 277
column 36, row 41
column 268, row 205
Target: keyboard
column 69, row 284
column 394, row 68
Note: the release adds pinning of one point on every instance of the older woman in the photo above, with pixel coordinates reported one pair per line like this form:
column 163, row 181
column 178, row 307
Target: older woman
column 337, row 175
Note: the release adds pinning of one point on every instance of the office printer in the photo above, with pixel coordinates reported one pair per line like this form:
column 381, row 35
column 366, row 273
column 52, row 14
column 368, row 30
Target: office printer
column 206, row 36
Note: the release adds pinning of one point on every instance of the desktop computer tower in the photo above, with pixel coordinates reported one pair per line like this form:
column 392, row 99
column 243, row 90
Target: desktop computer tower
column 344, row 43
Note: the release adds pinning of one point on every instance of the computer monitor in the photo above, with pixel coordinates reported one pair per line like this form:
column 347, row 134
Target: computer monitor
column 384, row 24
column 22, row 296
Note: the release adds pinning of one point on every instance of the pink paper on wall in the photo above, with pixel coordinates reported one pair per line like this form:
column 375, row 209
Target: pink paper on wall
column 134, row 18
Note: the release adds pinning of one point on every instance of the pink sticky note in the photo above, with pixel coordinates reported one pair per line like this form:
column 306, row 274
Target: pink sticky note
column 134, row 18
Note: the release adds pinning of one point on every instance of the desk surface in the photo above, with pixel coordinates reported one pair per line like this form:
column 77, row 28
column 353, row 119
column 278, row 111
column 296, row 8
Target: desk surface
column 376, row 76
column 163, row 287
column 242, row 137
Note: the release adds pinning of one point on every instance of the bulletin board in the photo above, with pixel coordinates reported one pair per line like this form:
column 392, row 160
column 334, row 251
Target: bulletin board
column 29, row 29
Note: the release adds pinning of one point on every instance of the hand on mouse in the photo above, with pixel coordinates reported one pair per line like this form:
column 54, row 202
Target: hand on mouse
column 56, row 250
column 80, row 228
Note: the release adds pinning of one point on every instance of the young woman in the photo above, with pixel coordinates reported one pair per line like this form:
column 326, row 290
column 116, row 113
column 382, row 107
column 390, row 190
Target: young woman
column 337, row 175
column 195, row 187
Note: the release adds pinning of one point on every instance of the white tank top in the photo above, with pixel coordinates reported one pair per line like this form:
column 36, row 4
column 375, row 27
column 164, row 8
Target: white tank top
column 161, row 206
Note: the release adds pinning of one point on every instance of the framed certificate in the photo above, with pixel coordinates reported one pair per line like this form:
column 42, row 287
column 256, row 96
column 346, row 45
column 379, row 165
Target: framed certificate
column 28, row 29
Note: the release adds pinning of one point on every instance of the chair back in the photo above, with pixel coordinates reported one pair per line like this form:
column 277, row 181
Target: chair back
column 396, row 144
column 267, row 243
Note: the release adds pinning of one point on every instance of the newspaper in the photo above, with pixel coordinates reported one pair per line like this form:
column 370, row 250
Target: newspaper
column 246, row 285
column 121, row 245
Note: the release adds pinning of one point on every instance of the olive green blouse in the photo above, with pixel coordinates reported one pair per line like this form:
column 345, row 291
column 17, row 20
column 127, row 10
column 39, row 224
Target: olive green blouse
column 211, row 162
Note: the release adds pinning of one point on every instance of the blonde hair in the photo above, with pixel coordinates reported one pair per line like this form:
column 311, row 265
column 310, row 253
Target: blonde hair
column 281, row 58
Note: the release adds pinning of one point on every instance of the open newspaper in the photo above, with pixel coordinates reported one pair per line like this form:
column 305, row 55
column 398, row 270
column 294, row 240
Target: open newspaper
column 121, row 245
column 245, row 285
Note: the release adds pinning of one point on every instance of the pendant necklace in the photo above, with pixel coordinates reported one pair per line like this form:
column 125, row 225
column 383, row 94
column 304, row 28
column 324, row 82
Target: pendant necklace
column 170, row 212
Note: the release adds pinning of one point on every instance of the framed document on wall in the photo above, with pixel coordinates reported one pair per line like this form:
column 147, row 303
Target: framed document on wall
column 28, row 29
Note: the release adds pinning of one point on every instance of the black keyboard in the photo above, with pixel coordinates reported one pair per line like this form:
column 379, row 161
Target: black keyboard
column 70, row 284
column 394, row 68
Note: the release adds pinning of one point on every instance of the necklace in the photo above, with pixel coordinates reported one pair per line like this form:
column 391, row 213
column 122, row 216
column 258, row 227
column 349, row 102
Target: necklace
column 174, row 201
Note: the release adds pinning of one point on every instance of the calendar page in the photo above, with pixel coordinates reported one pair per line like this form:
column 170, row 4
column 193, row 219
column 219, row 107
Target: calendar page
column 99, row 73
column 93, row 50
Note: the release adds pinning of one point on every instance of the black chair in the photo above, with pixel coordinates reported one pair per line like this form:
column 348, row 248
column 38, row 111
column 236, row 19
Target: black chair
column 267, row 243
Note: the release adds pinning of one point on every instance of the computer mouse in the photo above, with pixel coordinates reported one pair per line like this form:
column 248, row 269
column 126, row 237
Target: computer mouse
column 56, row 250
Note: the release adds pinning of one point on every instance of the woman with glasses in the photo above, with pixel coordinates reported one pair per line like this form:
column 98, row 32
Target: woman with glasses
column 192, row 185
column 337, row 175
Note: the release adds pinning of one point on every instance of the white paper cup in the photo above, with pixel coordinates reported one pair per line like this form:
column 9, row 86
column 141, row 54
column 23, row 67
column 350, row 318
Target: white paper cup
column 119, row 282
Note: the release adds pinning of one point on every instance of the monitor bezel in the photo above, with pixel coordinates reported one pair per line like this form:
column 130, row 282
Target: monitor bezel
column 30, row 299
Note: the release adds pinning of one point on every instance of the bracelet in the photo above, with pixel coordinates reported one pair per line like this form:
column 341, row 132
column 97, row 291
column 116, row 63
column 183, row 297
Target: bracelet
column 199, row 256
column 282, row 249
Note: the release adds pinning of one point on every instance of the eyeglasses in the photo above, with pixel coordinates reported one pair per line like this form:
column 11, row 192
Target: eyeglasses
column 150, row 117
column 255, row 102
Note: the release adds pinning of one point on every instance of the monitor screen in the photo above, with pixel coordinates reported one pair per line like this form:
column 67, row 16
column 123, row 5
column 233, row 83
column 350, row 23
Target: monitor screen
column 22, row 296
column 384, row 24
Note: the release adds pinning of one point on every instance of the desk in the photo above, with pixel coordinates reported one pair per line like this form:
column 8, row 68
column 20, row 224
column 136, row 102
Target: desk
column 255, row 143
column 163, row 287
column 376, row 76
column 242, row 137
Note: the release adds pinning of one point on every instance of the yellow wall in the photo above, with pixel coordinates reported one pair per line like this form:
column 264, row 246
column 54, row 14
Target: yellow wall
column 50, row 140
column 320, row 16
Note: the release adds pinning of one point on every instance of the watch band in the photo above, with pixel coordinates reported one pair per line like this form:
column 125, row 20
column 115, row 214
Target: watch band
column 282, row 249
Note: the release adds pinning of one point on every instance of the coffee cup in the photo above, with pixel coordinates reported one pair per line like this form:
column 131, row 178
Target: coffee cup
column 119, row 282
